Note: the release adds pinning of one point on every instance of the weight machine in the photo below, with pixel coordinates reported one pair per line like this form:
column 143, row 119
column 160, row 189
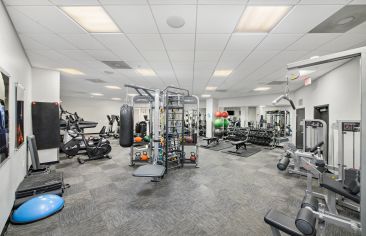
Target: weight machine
column 167, row 129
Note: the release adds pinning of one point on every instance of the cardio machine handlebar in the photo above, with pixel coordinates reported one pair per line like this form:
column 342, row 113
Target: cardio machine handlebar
column 313, row 149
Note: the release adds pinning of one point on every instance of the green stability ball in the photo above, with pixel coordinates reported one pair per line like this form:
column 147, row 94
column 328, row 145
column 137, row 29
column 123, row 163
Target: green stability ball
column 226, row 123
column 147, row 138
column 218, row 123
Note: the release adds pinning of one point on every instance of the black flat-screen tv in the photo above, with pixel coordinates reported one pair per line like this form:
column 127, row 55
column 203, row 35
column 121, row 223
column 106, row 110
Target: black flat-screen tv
column 231, row 113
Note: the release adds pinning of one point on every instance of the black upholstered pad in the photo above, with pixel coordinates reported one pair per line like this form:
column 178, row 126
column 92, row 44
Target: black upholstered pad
column 282, row 222
column 337, row 187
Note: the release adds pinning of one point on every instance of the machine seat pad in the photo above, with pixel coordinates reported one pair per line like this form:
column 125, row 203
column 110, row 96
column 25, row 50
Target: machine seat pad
column 212, row 138
column 238, row 142
column 149, row 171
column 337, row 187
column 282, row 222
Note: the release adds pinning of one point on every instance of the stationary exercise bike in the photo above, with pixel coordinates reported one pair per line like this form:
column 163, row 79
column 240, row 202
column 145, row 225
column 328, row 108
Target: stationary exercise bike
column 94, row 150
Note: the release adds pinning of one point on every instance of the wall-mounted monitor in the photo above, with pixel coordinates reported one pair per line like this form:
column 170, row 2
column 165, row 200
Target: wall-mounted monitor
column 4, row 117
column 231, row 113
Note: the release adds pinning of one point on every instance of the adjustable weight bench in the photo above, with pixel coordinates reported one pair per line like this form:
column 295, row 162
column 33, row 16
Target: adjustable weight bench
column 211, row 140
column 239, row 144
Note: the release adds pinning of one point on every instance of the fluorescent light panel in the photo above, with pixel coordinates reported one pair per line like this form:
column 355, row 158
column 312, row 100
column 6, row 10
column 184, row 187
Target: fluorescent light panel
column 305, row 72
column 71, row 71
column 261, row 18
column 116, row 99
column 96, row 94
column 132, row 94
column 262, row 89
column 205, row 95
column 92, row 18
column 221, row 73
column 211, row 88
column 112, row 87
column 146, row 72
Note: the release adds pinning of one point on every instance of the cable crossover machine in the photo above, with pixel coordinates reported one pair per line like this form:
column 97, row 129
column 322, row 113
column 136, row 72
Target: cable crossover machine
column 168, row 130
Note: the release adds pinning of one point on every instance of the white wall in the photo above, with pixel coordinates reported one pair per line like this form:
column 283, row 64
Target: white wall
column 14, row 63
column 211, row 108
column 46, row 88
column 340, row 89
column 92, row 109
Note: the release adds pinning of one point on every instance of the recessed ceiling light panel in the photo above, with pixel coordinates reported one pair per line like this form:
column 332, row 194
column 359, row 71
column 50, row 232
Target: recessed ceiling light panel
column 205, row 95
column 211, row 88
column 97, row 94
column 71, row 71
column 146, row 72
column 112, row 87
column 92, row 18
column 262, row 89
column 116, row 99
column 261, row 18
column 220, row 73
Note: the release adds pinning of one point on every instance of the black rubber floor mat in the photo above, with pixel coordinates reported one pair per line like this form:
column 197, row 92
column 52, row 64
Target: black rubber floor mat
column 220, row 146
column 242, row 152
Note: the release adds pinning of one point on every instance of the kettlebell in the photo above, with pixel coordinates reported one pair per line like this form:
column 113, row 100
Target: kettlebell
column 144, row 156
column 193, row 157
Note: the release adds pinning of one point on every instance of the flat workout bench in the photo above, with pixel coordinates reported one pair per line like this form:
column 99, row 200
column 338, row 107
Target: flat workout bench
column 337, row 187
column 239, row 144
column 211, row 140
column 281, row 222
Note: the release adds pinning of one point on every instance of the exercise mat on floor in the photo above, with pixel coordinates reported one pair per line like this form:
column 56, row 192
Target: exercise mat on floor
column 251, row 150
column 218, row 147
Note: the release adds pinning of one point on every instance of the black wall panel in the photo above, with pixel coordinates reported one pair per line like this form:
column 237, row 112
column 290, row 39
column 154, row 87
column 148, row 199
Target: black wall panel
column 46, row 124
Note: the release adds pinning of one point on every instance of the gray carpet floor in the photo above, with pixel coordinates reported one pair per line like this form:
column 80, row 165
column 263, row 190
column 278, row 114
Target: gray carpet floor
column 227, row 195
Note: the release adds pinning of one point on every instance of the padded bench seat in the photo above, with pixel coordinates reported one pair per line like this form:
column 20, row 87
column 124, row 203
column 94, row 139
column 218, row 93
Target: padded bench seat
column 282, row 222
column 337, row 187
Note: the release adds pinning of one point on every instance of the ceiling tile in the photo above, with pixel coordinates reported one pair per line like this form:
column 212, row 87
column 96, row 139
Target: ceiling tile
column 155, row 56
column 83, row 41
column 218, row 18
column 171, row 2
column 75, row 2
column 29, row 2
column 334, row 2
column 147, row 41
column 24, row 24
column 278, row 41
column 102, row 55
column 215, row 42
column 234, row 56
column 229, row 2
column 346, row 41
column 358, row 2
column 133, row 19
column 244, row 41
column 273, row 2
column 312, row 41
column 77, row 55
column 52, row 18
column 181, row 56
column 187, row 12
column 298, row 19
column 207, row 55
column 52, row 41
column 123, row 2
column 178, row 41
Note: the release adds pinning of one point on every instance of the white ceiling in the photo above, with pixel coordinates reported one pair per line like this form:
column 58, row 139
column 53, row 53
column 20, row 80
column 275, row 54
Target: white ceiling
column 185, row 57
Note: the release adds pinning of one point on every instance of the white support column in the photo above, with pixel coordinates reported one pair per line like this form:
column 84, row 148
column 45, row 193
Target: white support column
column 244, row 116
column 211, row 108
column 46, row 88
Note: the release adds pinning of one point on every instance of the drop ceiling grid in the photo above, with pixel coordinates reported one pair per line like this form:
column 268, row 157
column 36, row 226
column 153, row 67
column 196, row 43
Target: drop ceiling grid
column 211, row 45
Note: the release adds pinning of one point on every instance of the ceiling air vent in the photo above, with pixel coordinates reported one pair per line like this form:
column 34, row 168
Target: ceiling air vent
column 277, row 83
column 117, row 64
column 97, row 81
column 343, row 20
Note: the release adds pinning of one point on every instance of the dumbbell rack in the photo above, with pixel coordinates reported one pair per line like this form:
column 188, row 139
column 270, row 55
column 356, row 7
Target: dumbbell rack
column 261, row 136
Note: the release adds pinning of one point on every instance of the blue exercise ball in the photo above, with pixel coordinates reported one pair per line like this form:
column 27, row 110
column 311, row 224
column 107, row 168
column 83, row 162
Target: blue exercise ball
column 37, row 208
